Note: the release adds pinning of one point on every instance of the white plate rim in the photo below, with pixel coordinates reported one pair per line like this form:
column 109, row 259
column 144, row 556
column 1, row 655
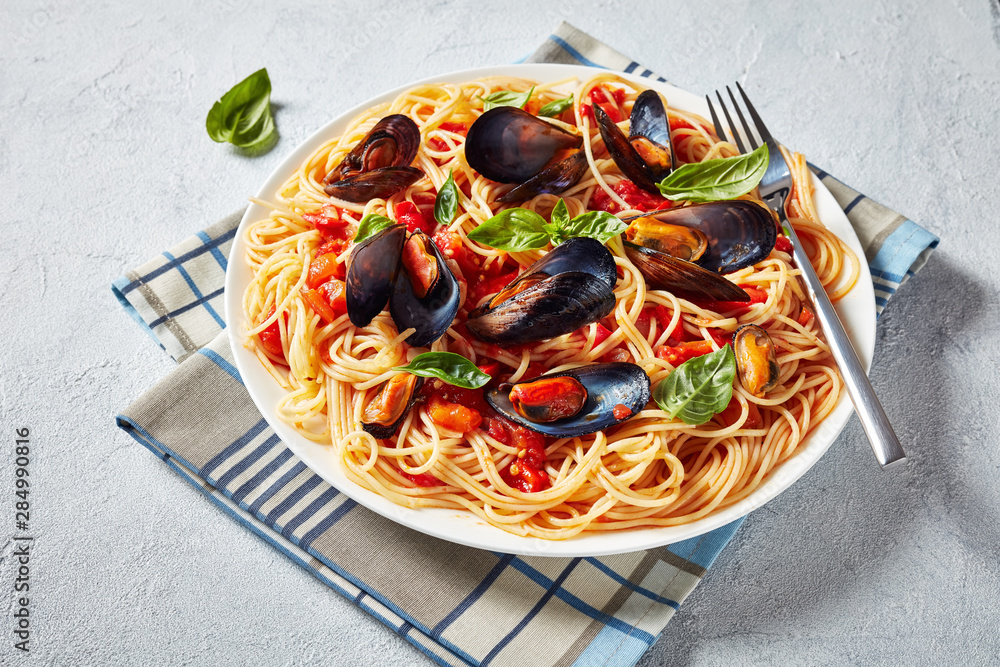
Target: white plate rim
column 857, row 311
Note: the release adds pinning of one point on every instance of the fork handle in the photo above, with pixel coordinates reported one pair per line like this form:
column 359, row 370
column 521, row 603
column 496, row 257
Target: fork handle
column 883, row 439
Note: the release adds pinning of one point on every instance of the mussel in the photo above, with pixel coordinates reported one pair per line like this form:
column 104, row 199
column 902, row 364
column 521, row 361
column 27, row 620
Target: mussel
column 646, row 156
column 735, row 234
column 371, row 273
column 427, row 295
column 574, row 402
column 684, row 249
column 756, row 359
column 409, row 274
column 384, row 413
column 509, row 145
column 571, row 286
column 378, row 166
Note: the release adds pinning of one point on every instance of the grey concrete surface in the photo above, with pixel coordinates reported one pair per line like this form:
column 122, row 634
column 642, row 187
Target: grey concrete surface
column 104, row 161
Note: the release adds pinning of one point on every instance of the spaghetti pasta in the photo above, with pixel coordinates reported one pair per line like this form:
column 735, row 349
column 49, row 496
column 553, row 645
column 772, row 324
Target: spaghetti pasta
column 648, row 471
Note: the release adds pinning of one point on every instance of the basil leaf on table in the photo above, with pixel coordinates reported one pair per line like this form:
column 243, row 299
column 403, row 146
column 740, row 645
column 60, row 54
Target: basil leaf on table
column 371, row 225
column 449, row 367
column 513, row 230
column 598, row 225
column 714, row 180
column 506, row 98
column 242, row 116
column 699, row 388
column 556, row 107
column 446, row 202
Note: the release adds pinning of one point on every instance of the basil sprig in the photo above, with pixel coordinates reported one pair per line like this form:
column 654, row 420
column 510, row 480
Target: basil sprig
column 371, row 225
column 519, row 229
column 243, row 115
column 698, row 388
column 449, row 367
column 714, row 180
column 446, row 202
column 513, row 230
column 556, row 107
column 506, row 98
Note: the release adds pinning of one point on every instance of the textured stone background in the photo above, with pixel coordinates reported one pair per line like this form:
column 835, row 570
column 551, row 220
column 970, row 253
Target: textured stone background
column 104, row 161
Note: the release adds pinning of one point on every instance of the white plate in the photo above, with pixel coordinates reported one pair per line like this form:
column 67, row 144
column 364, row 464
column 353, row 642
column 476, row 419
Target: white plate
column 857, row 311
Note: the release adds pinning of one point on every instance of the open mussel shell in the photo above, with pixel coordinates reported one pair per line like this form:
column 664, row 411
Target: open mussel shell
column 379, row 183
column 393, row 142
column 569, row 287
column 756, row 359
column 509, row 145
column 607, row 386
column 739, row 232
column 682, row 278
column 385, row 412
column 552, row 180
column 642, row 156
column 433, row 313
column 371, row 273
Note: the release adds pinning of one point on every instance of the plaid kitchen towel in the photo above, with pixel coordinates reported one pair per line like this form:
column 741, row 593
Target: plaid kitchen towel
column 491, row 609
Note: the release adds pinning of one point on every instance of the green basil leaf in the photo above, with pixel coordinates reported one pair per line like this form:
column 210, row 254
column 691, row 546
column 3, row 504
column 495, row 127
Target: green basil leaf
column 560, row 214
column 698, row 388
column 713, row 180
column 446, row 202
column 243, row 115
column 556, row 107
column 506, row 98
column 598, row 225
column 448, row 366
column 513, row 230
column 371, row 225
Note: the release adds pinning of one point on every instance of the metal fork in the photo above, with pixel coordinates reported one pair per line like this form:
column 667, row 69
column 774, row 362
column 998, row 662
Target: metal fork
column 775, row 187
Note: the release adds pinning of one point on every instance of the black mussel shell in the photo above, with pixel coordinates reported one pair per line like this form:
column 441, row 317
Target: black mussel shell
column 552, row 307
column 740, row 232
column 686, row 280
column 432, row 315
column 607, row 385
column 551, row 180
column 622, row 152
column 649, row 121
column 393, row 142
column 376, row 184
column 577, row 254
column 382, row 431
column 509, row 145
column 371, row 273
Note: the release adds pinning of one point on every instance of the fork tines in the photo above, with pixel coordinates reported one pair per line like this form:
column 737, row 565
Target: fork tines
column 765, row 136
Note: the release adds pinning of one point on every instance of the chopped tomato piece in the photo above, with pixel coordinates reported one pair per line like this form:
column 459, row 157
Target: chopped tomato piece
column 452, row 416
column 720, row 336
column 270, row 338
column 321, row 269
column 732, row 413
column 438, row 144
column 424, row 480
column 783, row 244
column 457, row 128
column 633, row 195
column 319, row 305
column 490, row 286
column 527, row 472
column 608, row 102
column 617, row 355
column 805, row 316
column 408, row 214
column 621, row 411
column 676, row 355
column 334, row 293
column 329, row 223
column 601, row 335
column 332, row 247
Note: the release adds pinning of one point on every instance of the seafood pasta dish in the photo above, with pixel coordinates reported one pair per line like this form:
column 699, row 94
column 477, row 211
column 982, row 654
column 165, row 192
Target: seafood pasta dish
column 560, row 306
